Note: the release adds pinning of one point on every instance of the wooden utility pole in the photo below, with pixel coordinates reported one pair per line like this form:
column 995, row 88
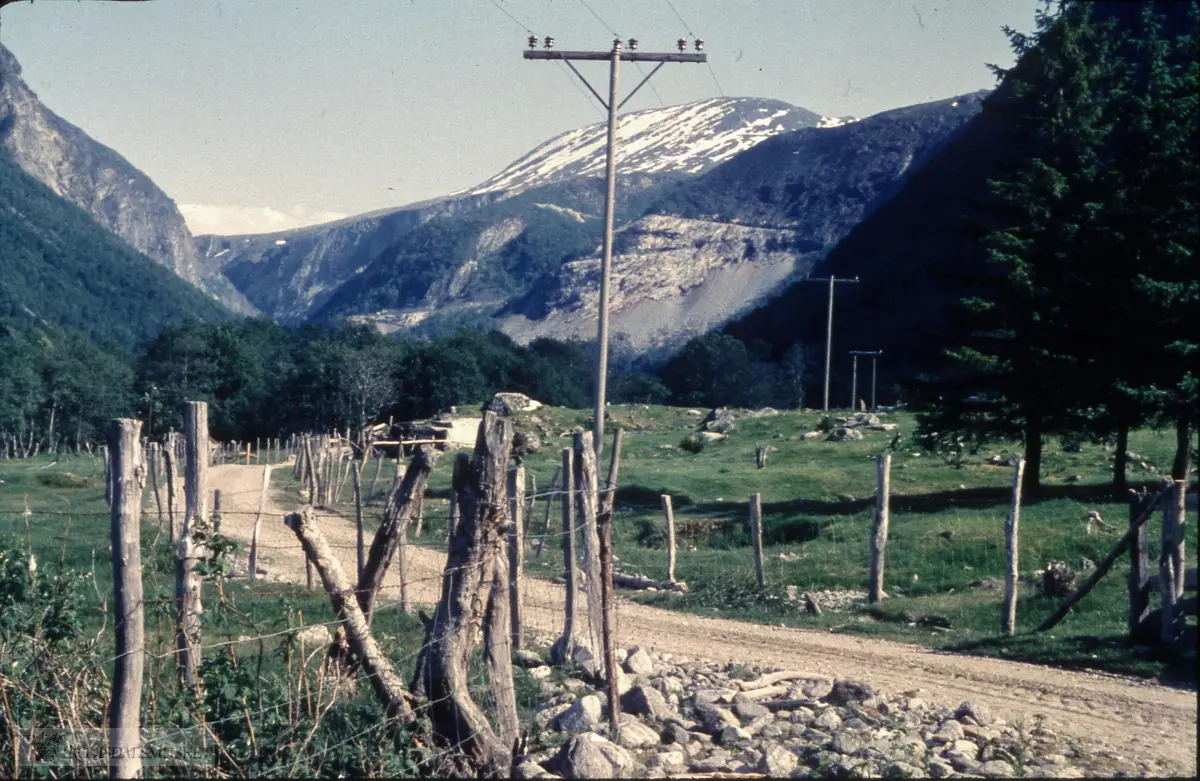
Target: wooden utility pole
column 129, row 477
column 1011, row 576
column 614, row 57
column 828, row 329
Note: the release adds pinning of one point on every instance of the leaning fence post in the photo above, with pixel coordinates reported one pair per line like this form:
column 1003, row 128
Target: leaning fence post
column 154, row 467
column 586, row 495
column 883, row 467
column 187, row 584
column 669, row 512
column 129, row 477
column 1179, row 507
column 173, row 523
column 262, row 500
column 516, row 549
column 1011, row 525
column 756, row 538
column 549, row 504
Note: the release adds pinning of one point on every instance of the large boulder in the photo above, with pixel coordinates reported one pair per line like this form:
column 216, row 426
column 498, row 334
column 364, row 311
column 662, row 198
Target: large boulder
column 862, row 419
column 591, row 756
column 638, row 662
column 645, row 701
column 508, row 403
column 719, row 420
column 844, row 434
column 584, row 715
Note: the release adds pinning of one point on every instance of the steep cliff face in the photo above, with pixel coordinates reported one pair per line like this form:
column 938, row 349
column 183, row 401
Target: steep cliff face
column 90, row 175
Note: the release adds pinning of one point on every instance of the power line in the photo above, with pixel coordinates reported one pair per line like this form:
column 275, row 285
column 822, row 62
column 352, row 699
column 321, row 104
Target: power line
column 598, row 19
column 504, row 11
column 680, row 18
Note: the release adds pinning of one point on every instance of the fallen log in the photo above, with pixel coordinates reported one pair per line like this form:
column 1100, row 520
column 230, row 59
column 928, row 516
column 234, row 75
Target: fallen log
column 774, row 705
column 769, row 679
column 633, row 582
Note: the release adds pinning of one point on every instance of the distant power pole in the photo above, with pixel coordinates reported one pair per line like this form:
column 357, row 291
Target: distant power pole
column 829, row 330
column 614, row 58
column 854, row 385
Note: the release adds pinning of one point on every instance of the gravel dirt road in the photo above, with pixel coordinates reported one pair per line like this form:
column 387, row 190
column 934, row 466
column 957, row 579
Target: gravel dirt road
column 1138, row 718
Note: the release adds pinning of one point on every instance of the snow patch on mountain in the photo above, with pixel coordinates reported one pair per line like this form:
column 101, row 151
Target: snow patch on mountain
column 690, row 139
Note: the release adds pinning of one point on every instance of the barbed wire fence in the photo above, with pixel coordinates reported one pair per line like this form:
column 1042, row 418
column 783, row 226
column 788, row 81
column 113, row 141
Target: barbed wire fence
column 259, row 624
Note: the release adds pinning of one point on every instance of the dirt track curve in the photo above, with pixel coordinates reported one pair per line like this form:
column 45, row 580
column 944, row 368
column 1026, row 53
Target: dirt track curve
column 1135, row 717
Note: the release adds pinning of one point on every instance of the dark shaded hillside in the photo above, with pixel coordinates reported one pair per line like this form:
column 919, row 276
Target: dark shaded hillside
column 58, row 266
column 821, row 181
column 915, row 255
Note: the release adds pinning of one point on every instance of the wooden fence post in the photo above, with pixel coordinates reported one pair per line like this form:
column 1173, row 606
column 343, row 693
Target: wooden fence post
column 756, row 538
column 1139, row 561
column 604, row 520
column 878, row 548
column 262, row 500
column 129, row 477
column 108, row 475
column 586, row 499
column 187, row 584
column 375, row 479
column 549, row 505
column 669, row 512
column 154, row 467
column 564, row 647
column 173, row 521
column 1179, row 507
column 1012, row 560
column 358, row 519
column 1171, row 624
column 516, row 548
column 216, row 511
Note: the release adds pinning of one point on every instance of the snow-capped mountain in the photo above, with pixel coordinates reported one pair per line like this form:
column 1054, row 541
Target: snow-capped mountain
column 687, row 139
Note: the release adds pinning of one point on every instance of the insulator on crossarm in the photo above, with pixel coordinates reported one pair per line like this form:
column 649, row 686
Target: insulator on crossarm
column 632, row 44
column 533, row 42
column 681, row 44
column 699, row 45
column 549, row 42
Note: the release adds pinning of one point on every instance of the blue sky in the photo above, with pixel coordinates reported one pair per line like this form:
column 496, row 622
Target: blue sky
column 278, row 111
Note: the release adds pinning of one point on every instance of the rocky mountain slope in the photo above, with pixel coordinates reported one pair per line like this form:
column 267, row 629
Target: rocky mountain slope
column 294, row 275
column 98, row 180
column 692, row 252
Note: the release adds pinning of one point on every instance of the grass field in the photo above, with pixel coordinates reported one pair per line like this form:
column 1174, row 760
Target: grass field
column 818, row 505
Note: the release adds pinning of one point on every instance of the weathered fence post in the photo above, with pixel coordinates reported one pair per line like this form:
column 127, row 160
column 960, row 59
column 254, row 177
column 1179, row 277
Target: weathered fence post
column 586, row 498
column 1167, row 570
column 1179, row 507
column 516, row 548
column 108, row 471
column 1139, row 561
column 470, row 599
column 216, row 511
column 669, row 512
column 375, row 479
column 124, row 721
column 760, row 455
column 358, row 519
column 756, row 538
column 605, row 522
column 154, row 466
column 262, row 500
column 1011, row 572
column 187, row 584
column 564, row 647
column 883, row 467
column 549, row 505
column 173, row 521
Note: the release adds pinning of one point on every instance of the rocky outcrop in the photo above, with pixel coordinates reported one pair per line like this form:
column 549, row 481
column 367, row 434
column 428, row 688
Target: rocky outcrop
column 85, row 172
